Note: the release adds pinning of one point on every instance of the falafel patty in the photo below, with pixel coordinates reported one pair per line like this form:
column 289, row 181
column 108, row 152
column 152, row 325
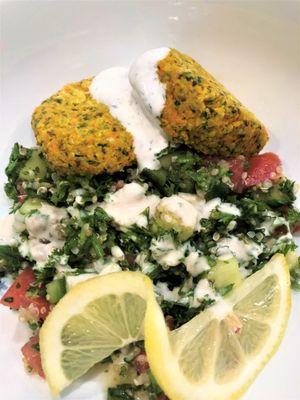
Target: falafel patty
column 78, row 135
column 201, row 113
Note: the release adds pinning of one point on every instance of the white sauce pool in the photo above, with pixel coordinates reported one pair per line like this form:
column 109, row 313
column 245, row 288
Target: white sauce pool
column 196, row 264
column 228, row 208
column 203, row 290
column 145, row 81
column 205, row 208
column 126, row 205
column 112, row 87
column 166, row 252
column 161, row 288
column 7, row 230
column 45, row 231
column 106, row 266
column 242, row 251
column 297, row 194
column 184, row 211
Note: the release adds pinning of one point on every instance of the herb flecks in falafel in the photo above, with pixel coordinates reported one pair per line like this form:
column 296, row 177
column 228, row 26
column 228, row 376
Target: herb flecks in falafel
column 79, row 135
column 203, row 114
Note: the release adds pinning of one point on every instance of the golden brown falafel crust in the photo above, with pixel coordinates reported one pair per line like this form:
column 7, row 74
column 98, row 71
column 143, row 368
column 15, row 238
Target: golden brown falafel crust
column 201, row 113
column 79, row 135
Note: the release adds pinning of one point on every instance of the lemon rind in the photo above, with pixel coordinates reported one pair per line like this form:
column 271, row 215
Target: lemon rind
column 158, row 351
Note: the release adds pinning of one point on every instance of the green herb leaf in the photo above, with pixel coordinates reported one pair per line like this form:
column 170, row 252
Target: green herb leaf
column 11, row 258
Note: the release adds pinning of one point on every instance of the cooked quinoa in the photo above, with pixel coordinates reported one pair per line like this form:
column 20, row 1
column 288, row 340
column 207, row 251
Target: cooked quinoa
column 79, row 135
column 201, row 113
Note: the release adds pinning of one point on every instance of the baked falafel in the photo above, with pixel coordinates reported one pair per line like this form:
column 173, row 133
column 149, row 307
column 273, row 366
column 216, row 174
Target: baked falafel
column 204, row 115
column 78, row 135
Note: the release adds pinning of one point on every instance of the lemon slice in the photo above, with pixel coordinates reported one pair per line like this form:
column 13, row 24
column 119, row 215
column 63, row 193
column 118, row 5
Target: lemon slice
column 90, row 322
column 218, row 353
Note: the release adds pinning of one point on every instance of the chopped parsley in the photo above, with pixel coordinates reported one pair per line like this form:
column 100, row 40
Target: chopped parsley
column 264, row 219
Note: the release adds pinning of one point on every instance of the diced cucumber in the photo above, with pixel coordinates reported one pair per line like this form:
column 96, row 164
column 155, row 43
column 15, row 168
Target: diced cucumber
column 277, row 197
column 225, row 273
column 179, row 157
column 158, row 177
column 34, row 168
column 274, row 197
column 56, row 290
column 166, row 161
column 30, row 205
column 295, row 279
column 187, row 185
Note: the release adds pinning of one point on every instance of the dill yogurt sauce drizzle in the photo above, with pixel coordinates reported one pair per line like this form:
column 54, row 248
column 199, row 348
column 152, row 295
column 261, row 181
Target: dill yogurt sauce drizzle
column 113, row 88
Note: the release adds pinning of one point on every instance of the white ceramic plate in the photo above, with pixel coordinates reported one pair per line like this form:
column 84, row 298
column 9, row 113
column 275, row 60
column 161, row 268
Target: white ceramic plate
column 252, row 47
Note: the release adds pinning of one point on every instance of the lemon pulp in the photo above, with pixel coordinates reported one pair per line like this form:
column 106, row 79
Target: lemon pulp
column 218, row 353
column 93, row 320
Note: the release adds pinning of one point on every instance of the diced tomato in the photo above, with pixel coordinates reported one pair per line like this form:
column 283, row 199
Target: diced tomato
column 17, row 296
column 295, row 228
column 32, row 357
column 280, row 230
column 237, row 167
column 21, row 198
column 255, row 170
column 169, row 322
column 20, row 188
column 162, row 397
column 140, row 363
column 261, row 168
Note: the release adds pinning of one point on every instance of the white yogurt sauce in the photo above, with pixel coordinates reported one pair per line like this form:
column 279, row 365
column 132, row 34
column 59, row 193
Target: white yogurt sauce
column 207, row 207
column 145, row 81
column 242, row 251
column 7, row 232
column 73, row 280
column 106, row 266
column 228, row 208
column 181, row 209
column 196, row 264
column 45, row 231
column 41, row 251
column 24, row 248
column 271, row 222
column 204, row 208
column 203, row 290
column 165, row 251
column 161, row 288
column 296, row 203
column 117, row 253
column 126, row 205
column 194, row 199
column 112, row 87
column 221, row 309
column 146, row 266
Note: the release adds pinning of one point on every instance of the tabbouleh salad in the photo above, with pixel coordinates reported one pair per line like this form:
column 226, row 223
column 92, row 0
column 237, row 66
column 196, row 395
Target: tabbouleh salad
column 183, row 225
